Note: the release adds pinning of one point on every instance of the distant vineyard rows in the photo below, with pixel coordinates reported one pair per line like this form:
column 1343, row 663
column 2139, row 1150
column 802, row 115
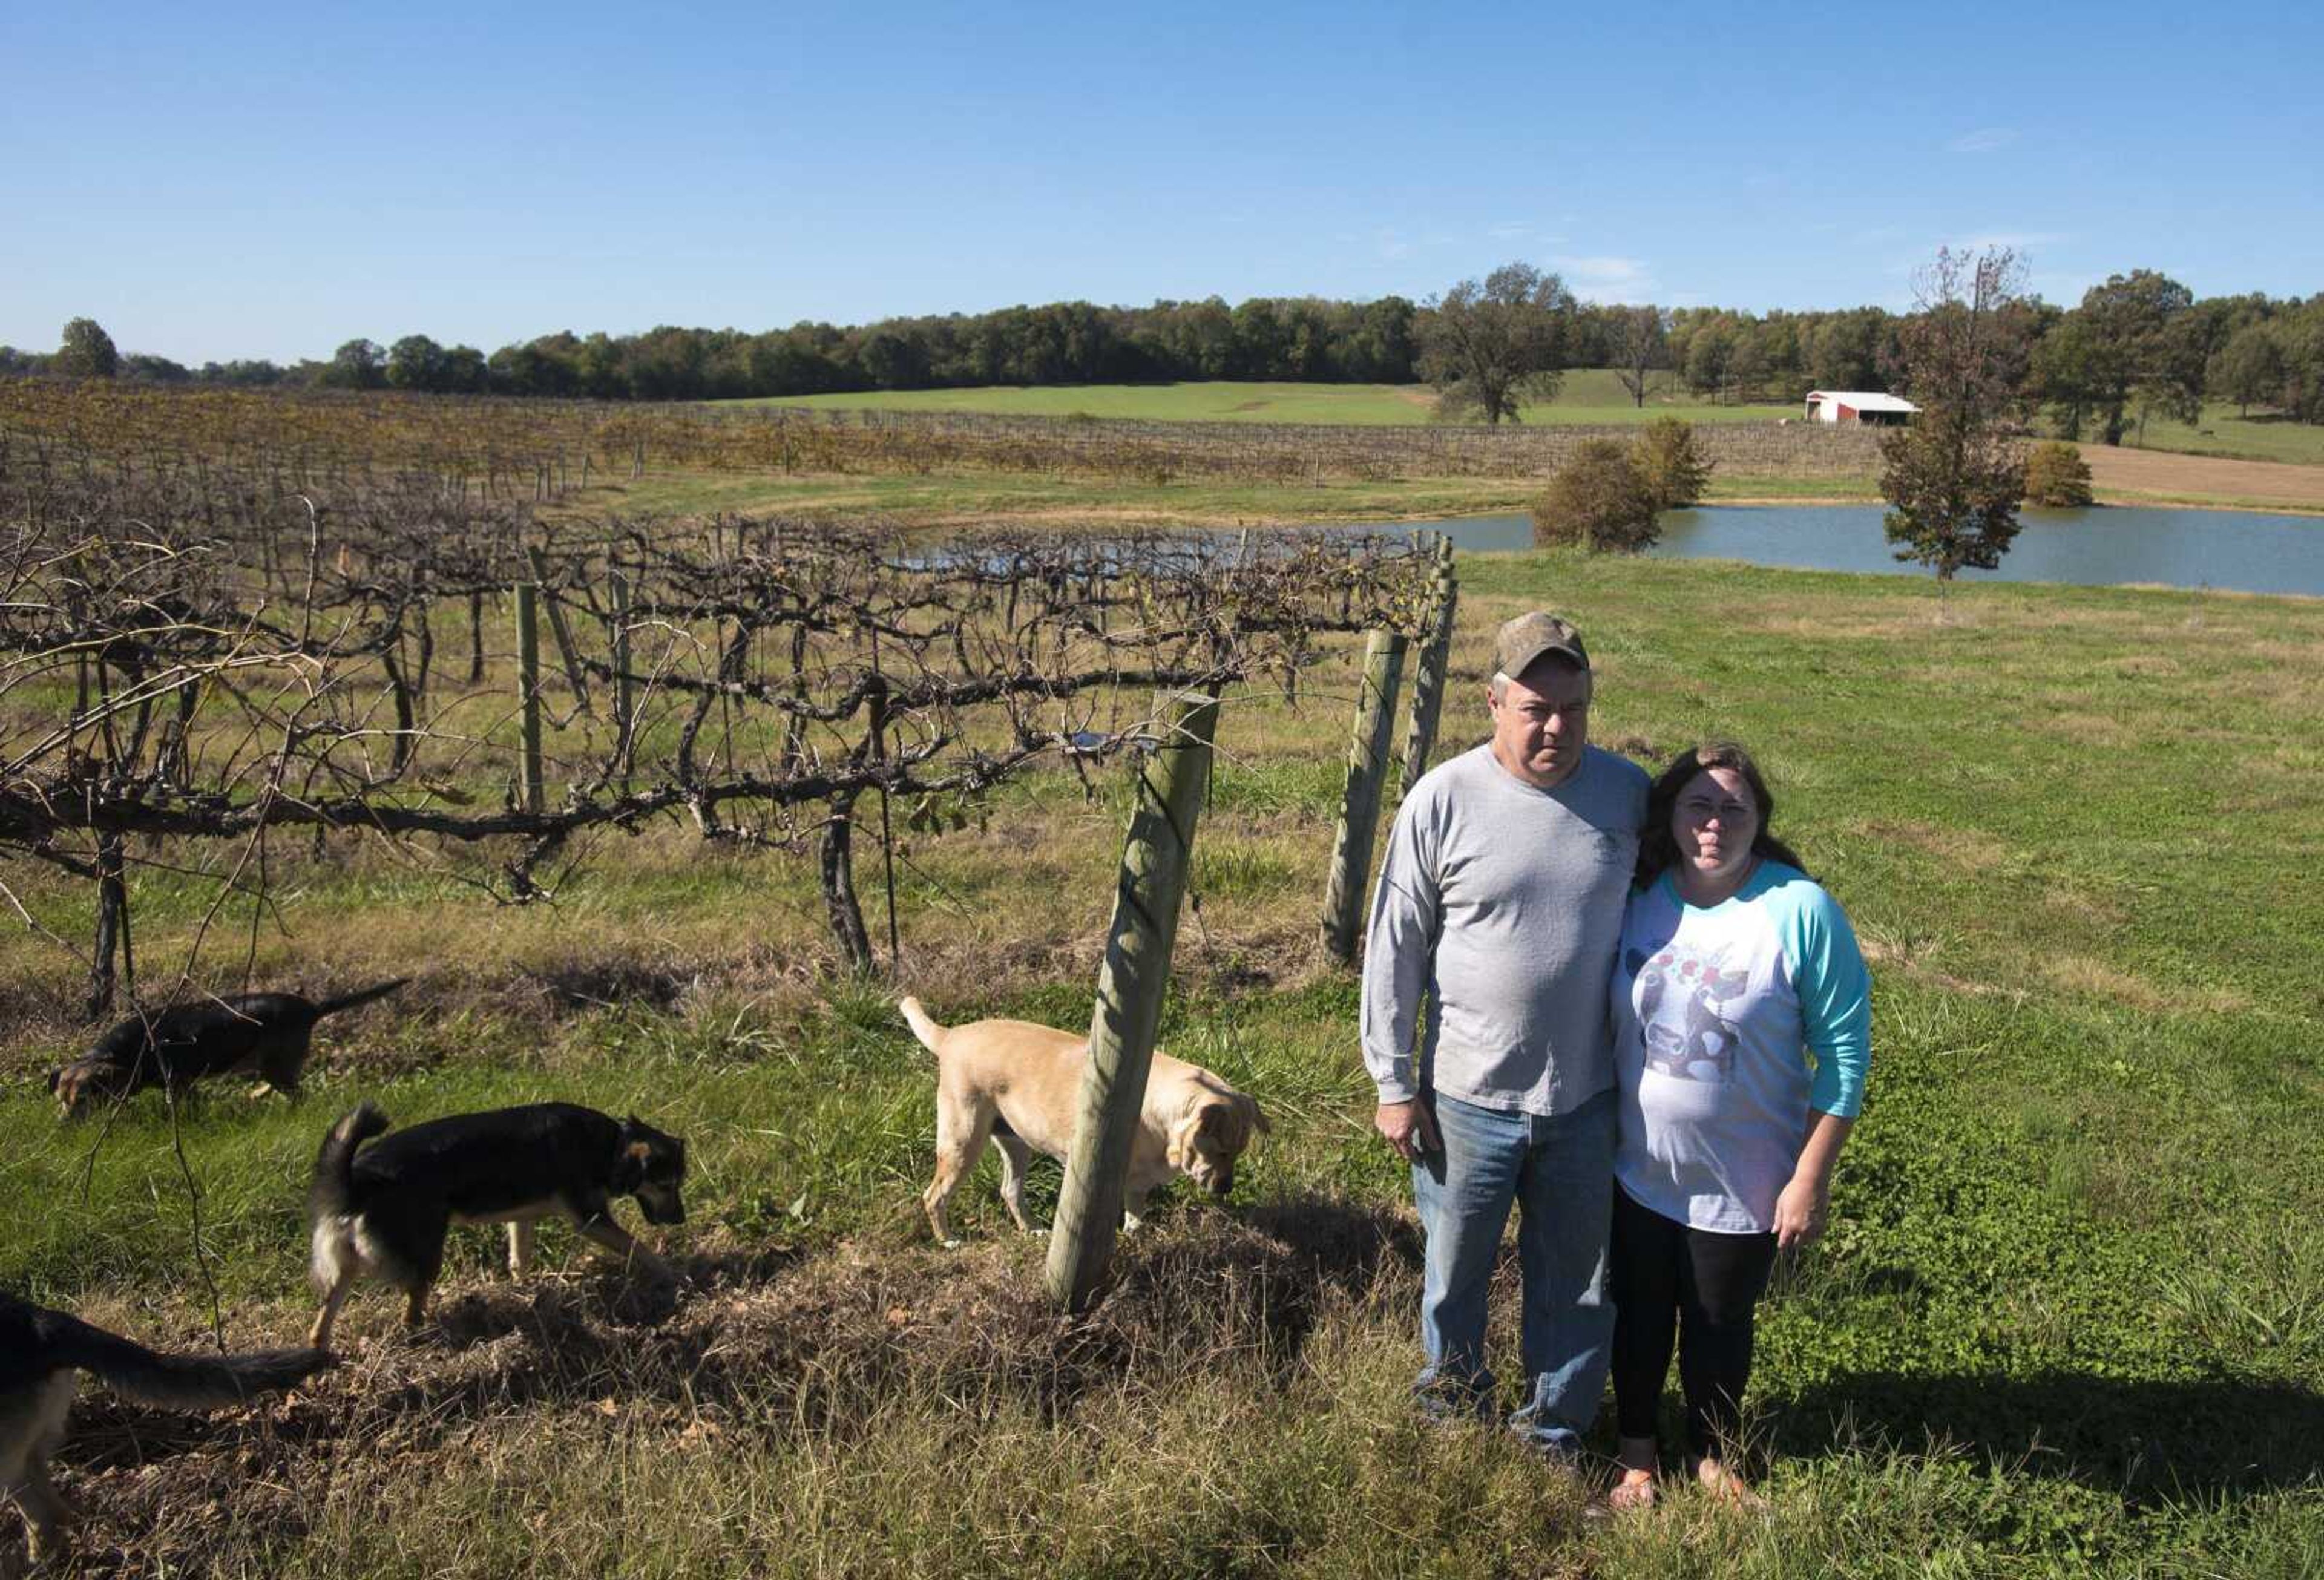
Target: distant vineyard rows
column 538, row 450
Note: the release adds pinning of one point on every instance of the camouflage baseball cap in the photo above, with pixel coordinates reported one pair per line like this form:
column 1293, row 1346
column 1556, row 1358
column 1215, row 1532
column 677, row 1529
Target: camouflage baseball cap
column 1527, row 638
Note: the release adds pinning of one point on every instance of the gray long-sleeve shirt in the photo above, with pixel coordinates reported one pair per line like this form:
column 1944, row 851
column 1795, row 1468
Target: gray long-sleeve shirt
column 1501, row 903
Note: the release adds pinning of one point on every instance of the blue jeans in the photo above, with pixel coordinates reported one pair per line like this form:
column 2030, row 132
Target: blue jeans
column 1560, row 1172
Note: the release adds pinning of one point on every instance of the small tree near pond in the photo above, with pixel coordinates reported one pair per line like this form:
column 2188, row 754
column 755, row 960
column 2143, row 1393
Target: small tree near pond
column 1608, row 497
column 1597, row 500
column 1954, row 476
column 2056, row 475
column 1670, row 463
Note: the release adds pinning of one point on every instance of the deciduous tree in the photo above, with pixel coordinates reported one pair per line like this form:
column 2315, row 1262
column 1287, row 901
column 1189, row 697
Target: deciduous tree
column 357, row 364
column 416, row 362
column 2250, row 368
column 2056, row 476
column 85, row 351
column 1953, row 477
column 2127, row 341
column 1489, row 346
column 1671, row 466
column 1639, row 344
column 1598, row 501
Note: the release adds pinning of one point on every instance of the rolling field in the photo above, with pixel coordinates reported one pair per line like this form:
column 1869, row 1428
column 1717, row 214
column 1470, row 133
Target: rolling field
column 2257, row 435
column 2069, row 1319
column 1589, row 395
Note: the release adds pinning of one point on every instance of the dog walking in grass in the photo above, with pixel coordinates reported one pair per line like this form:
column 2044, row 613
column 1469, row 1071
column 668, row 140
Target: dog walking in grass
column 40, row 1352
column 384, row 1211
column 265, row 1034
column 1018, row 1084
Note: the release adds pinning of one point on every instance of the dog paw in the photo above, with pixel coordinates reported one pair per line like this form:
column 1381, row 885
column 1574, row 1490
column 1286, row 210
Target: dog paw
column 951, row 1243
column 1037, row 1229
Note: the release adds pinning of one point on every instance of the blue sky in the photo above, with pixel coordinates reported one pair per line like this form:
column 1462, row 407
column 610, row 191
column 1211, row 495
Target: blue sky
column 268, row 180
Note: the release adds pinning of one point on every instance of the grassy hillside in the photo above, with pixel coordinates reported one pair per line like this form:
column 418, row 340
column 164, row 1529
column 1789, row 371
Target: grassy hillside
column 1590, row 395
column 2070, row 1318
column 2257, row 434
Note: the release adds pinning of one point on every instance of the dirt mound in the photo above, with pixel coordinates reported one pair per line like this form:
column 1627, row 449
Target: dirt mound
column 761, row 1343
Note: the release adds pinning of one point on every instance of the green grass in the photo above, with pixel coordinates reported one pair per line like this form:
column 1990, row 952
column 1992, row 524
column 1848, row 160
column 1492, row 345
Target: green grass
column 2070, row 1318
column 1588, row 395
column 2258, row 434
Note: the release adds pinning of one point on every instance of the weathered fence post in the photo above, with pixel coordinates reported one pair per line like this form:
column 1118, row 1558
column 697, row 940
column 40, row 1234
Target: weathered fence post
column 1428, row 671
column 528, row 673
column 1155, row 858
column 1359, row 802
column 565, row 649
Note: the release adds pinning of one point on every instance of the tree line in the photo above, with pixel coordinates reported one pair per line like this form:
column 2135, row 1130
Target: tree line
column 2139, row 345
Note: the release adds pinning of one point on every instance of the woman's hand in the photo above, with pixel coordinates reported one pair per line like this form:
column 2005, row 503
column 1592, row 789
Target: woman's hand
column 1806, row 1204
column 1802, row 1210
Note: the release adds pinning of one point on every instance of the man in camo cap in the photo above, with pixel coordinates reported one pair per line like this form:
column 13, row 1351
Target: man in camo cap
column 1499, row 904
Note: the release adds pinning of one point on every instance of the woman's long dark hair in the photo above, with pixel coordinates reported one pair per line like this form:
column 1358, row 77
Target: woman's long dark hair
column 1658, row 852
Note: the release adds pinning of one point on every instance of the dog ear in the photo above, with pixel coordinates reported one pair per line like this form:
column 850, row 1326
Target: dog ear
column 630, row 1166
column 1255, row 1114
column 55, row 1076
column 1181, row 1150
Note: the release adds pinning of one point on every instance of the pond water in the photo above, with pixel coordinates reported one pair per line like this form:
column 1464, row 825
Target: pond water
column 2231, row 550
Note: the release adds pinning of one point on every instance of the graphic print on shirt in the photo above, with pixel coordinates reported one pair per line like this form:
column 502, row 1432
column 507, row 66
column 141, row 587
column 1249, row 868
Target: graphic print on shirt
column 1680, row 993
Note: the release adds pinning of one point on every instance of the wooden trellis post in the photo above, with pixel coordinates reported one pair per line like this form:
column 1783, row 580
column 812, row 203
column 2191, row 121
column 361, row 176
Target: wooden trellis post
column 1359, row 802
column 1428, row 671
column 556, row 627
column 1131, row 985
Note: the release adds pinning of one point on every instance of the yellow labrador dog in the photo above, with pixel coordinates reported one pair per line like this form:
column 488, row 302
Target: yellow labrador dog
column 1020, row 1084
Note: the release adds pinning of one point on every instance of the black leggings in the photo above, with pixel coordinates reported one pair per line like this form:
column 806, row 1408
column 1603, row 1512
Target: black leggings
column 1667, row 1276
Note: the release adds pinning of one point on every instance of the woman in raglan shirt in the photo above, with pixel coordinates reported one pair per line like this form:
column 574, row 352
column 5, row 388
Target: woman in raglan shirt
column 1742, row 1022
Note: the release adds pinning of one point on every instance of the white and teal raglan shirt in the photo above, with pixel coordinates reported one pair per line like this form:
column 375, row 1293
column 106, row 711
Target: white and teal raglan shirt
column 1734, row 1024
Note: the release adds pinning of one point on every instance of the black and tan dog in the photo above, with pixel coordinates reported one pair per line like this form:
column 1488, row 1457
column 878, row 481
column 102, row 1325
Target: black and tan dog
column 42, row 1350
column 386, row 1211
column 266, row 1034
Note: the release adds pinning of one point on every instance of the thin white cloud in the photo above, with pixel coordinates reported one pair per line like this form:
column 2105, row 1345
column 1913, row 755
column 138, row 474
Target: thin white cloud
column 1983, row 139
column 1606, row 278
column 1510, row 230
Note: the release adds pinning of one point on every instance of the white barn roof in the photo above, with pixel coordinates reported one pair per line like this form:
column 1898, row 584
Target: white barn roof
column 1865, row 399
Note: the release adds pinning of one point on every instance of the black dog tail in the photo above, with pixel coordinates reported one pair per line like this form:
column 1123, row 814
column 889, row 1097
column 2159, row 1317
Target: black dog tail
column 332, row 1189
column 333, row 1006
column 182, row 1381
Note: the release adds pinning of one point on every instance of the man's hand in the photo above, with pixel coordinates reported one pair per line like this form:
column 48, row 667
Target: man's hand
column 1409, row 1127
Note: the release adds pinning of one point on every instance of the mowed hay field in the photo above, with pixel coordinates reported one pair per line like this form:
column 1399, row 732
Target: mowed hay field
column 1585, row 395
column 2070, row 1318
